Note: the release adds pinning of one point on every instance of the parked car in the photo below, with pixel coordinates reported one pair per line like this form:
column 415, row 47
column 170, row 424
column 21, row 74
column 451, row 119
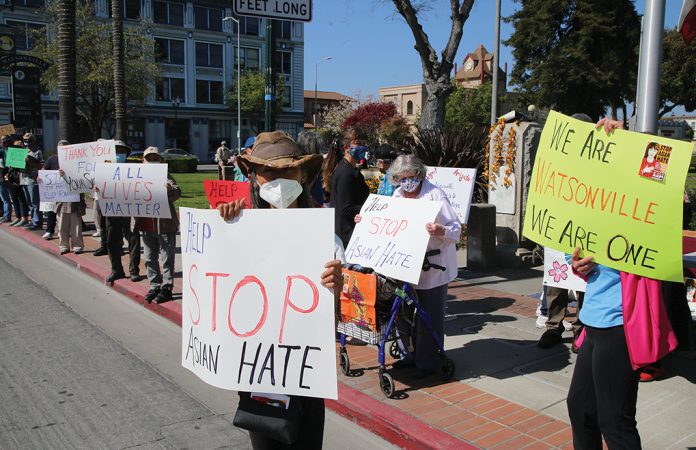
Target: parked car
column 135, row 156
column 174, row 153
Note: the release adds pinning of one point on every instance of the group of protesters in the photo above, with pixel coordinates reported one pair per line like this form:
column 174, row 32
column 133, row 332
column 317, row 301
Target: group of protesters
column 19, row 192
column 309, row 173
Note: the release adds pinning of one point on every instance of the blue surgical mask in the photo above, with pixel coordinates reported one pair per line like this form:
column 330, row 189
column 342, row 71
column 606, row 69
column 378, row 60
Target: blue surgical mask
column 410, row 184
column 357, row 151
column 121, row 157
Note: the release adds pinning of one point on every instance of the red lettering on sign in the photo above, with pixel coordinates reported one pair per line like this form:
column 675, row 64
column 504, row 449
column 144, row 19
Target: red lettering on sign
column 315, row 300
column 246, row 280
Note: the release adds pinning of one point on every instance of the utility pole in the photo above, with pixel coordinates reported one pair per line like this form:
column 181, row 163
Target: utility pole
column 119, row 72
column 649, row 65
column 269, row 96
column 494, row 65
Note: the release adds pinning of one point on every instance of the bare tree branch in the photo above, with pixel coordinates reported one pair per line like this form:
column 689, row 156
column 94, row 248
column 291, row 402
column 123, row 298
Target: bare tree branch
column 460, row 13
column 427, row 53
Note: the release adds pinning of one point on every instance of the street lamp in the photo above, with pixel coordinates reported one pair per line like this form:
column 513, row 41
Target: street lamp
column 176, row 101
column 316, row 78
column 239, row 87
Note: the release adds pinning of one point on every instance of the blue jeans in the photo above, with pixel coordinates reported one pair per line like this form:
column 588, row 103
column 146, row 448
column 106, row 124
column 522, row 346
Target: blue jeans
column 18, row 201
column 6, row 200
column 31, row 193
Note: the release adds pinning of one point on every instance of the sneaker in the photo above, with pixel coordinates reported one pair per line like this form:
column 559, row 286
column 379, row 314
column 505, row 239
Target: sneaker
column 14, row 223
column 63, row 251
column 541, row 321
column 97, row 234
column 21, row 223
column 48, row 236
column 101, row 251
column 78, row 251
column 651, row 373
column 549, row 339
column 164, row 295
column 567, row 325
column 152, row 293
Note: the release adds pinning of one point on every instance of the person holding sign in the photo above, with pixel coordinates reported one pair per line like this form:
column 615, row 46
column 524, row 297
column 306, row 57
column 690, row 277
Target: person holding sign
column 348, row 188
column 27, row 180
column 159, row 239
column 281, row 177
column 4, row 184
column 626, row 327
column 408, row 172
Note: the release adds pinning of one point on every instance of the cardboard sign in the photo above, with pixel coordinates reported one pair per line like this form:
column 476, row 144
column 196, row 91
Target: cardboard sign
column 79, row 161
column 52, row 188
column 255, row 316
column 590, row 190
column 223, row 191
column 558, row 271
column 7, row 129
column 16, row 157
column 358, row 299
column 458, row 184
column 132, row 190
column 391, row 237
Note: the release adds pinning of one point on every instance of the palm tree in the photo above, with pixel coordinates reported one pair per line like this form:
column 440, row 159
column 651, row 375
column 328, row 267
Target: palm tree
column 119, row 75
column 67, row 72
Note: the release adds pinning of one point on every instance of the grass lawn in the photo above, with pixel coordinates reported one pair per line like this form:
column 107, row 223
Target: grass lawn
column 192, row 193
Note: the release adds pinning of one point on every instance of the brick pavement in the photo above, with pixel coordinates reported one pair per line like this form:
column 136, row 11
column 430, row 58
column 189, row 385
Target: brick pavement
column 453, row 407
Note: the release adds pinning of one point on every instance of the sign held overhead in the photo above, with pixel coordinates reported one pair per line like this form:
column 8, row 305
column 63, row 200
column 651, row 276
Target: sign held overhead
column 298, row 10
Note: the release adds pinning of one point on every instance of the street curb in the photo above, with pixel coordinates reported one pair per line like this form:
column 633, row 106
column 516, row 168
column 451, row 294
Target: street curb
column 388, row 422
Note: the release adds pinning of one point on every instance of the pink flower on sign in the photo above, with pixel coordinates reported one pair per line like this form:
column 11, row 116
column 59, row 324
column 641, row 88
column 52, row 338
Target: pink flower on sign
column 558, row 272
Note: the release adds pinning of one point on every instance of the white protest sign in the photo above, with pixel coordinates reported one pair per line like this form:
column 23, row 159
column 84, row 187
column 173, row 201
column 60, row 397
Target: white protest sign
column 52, row 188
column 47, row 206
column 132, row 190
column 558, row 272
column 391, row 237
column 79, row 161
column 458, row 185
column 255, row 316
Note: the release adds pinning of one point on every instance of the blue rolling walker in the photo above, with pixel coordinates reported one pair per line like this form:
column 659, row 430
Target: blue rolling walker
column 404, row 298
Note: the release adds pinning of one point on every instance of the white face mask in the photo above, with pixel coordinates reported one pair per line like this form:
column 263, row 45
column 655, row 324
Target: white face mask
column 281, row 192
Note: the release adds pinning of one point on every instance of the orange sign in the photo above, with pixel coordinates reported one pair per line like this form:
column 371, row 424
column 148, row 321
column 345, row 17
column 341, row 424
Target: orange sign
column 358, row 299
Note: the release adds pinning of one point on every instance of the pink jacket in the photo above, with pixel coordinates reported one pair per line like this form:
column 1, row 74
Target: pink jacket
column 649, row 335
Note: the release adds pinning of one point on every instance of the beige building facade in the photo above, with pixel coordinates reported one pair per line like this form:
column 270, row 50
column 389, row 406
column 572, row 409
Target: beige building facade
column 408, row 99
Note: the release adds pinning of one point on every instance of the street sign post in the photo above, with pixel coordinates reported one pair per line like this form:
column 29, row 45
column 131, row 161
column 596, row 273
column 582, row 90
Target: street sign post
column 26, row 97
column 297, row 10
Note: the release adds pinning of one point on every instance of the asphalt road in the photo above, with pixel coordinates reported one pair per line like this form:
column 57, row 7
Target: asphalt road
column 83, row 367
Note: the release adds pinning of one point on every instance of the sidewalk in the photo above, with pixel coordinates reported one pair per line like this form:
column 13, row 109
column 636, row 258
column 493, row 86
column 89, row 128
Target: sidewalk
column 506, row 392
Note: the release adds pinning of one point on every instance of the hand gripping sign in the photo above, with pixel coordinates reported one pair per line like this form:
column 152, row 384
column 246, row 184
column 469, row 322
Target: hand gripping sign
column 391, row 237
column 79, row 161
column 618, row 197
column 255, row 316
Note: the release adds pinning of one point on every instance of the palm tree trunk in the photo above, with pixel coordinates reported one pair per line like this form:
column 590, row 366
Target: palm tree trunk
column 119, row 87
column 67, row 75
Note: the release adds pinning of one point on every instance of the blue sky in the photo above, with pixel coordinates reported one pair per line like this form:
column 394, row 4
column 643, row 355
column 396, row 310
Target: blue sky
column 372, row 46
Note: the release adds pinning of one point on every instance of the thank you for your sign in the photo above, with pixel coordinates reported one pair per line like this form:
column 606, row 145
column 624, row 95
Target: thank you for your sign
column 255, row 316
column 79, row 161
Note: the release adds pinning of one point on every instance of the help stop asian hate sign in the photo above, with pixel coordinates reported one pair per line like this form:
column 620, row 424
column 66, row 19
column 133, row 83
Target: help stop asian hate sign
column 255, row 316
column 391, row 237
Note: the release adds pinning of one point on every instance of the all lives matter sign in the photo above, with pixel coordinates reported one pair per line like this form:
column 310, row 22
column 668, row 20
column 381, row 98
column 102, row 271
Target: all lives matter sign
column 299, row 10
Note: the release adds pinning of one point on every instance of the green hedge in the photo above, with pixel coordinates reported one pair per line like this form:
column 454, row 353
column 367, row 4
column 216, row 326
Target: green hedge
column 182, row 165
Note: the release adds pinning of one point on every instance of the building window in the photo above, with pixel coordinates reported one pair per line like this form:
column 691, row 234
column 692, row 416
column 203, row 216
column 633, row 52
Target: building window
column 208, row 55
column 286, row 97
column 168, row 13
column 249, row 25
column 282, row 29
column 30, row 3
column 284, row 62
column 249, row 58
column 26, row 33
column 208, row 91
column 131, row 9
column 169, row 51
column 207, row 18
column 409, row 108
column 167, row 89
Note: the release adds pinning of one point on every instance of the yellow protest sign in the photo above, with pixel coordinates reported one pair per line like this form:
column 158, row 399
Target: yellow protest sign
column 618, row 197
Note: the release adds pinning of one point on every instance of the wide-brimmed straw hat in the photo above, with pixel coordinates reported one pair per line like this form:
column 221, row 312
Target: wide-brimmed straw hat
column 278, row 150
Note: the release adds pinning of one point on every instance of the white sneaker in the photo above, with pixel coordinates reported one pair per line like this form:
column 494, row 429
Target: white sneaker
column 567, row 325
column 541, row 321
column 47, row 236
column 97, row 234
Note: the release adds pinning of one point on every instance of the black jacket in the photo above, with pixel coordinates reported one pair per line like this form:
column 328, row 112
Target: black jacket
column 348, row 193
